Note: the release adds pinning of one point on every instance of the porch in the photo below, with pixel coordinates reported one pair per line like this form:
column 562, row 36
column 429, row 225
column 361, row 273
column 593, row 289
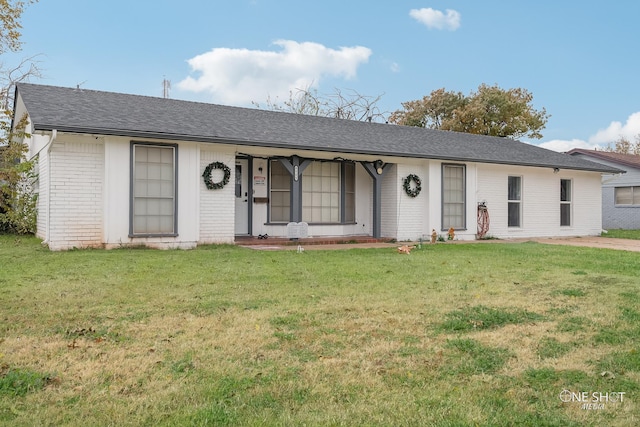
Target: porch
column 310, row 241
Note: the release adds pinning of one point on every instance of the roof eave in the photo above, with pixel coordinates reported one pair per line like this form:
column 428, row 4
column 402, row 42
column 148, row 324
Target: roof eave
column 271, row 144
column 597, row 155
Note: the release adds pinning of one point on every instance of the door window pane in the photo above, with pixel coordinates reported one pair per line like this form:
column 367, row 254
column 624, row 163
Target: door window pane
column 238, row 180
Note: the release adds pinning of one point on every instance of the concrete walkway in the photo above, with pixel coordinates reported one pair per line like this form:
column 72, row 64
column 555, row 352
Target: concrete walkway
column 592, row 242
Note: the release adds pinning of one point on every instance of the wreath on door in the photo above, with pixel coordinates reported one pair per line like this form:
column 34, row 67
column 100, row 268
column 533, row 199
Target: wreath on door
column 207, row 175
column 415, row 190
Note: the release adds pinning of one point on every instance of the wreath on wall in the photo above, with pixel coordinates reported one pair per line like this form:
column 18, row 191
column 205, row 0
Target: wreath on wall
column 406, row 184
column 207, row 175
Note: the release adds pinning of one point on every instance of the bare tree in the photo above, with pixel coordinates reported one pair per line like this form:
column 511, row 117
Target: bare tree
column 349, row 105
column 28, row 68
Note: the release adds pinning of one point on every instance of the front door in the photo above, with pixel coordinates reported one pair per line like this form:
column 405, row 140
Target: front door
column 242, row 197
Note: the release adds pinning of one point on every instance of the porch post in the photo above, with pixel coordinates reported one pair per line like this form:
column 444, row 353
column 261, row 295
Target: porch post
column 250, row 194
column 376, row 174
column 295, row 167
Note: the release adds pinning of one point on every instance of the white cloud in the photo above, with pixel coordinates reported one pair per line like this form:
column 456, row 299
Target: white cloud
column 564, row 146
column 240, row 76
column 602, row 138
column 436, row 19
column 395, row 67
column 616, row 129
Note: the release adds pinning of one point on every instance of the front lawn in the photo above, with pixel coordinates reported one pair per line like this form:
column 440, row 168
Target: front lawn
column 496, row 334
column 622, row 234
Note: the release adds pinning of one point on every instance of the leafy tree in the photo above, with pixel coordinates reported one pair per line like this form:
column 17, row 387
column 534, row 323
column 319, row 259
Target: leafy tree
column 17, row 175
column 10, row 14
column 351, row 105
column 624, row 146
column 489, row 111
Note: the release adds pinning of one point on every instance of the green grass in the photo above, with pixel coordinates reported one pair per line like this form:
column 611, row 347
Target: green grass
column 19, row 382
column 623, row 234
column 551, row 347
column 481, row 317
column 452, row 335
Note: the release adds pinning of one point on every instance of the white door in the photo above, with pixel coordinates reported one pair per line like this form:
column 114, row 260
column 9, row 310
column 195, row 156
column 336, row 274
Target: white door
column 242, row 197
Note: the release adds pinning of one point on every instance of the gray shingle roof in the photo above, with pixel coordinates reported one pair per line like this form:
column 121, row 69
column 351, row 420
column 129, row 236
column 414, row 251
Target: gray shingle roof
column 108, row 113
column 630, row 160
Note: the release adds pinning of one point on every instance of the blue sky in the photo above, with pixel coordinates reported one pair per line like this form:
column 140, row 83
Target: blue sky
column 579, row 59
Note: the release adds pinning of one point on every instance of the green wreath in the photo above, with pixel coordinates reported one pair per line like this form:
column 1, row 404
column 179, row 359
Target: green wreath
column 207, row 175
column 406, row 184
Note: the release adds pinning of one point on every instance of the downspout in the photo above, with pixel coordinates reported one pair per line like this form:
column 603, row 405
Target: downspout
column 48, row 146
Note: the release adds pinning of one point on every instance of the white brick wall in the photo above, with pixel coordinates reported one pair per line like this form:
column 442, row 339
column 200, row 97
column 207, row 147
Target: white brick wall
column 217, row 207
column 77, row 171
column 540, row 201
column 43, row 194
column 389, row 203
column 587, row 204
column 412, row 211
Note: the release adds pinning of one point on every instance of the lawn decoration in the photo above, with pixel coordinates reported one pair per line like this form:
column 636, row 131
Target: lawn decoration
column 405, row 249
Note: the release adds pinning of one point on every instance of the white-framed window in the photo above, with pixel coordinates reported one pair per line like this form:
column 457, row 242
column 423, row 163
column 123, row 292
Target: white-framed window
column 328, row 192
column 514, row 201
column 153, row 206
column 453, row 196
column 321, row 193
column 627, row 196
column 280, row 189
column 565, row 202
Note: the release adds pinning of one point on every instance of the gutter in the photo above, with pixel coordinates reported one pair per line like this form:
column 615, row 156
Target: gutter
column 48, row 146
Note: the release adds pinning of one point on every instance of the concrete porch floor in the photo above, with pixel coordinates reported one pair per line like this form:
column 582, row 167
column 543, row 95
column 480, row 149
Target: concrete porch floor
column 312, row 241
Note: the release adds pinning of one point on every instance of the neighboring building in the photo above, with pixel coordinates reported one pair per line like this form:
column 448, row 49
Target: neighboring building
column 620, row 192
column 118, row 169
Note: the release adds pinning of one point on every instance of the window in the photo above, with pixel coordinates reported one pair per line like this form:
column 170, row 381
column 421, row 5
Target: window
column 327, row 190
column 565, row 202
column 321, row 193
column 514, row 198
column 350, row 192
column 453, row 197
column 280, row 202
column 629, row 196
column 153, row 190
